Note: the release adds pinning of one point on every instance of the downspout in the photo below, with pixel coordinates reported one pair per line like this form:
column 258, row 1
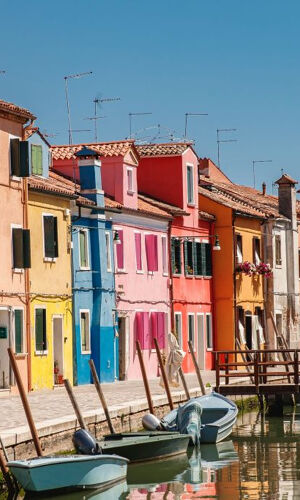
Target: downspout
column 234, row 278
column 27, row 287
column 171, row 295
column 212, row 227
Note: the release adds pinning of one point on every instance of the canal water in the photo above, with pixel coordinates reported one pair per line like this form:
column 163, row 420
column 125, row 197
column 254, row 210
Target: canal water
column 260, row 461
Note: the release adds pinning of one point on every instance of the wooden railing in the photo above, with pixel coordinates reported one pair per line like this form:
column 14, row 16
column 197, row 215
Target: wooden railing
column 259, row 366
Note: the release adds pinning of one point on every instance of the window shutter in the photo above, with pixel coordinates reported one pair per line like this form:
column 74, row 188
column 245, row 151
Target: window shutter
column 208, row 270
column 17, row 235
column 203, row 259
column 195, row 260
column 146, row 331
column 155, row 252
column 149, row 251
column 49, row 236
column 154, row 327
column 26, row 249
column 15, row 157
column 18, row 331
column 138, row 251
column 161, row 330
column 120, row 250
column 40, row 317
column 55, row 237
column 199, row 270
column 185, row 256
column 24, row 159
column 139, row 329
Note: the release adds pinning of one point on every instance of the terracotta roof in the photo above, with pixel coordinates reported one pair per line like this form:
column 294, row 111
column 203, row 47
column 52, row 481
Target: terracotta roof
column 55, row 184
column 29, row 131
column 171, row 209
column 16, row 110
column 116, row 148
column 206, row 216
column 144, row 207
column 167, row 149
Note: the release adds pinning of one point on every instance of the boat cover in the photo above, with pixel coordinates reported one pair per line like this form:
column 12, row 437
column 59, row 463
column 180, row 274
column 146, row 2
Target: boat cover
column 186, row 420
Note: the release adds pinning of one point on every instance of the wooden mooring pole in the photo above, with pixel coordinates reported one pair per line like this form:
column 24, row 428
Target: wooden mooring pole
column 186, row 390
column 74, row 404
column 164, row 376
column 25, row 403
column 101, row 395
column 5, row 472
column 197, row 369
column 144, row 375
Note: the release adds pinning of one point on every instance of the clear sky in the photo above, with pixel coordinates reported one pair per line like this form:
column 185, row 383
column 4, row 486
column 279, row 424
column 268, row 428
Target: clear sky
column 236, row 60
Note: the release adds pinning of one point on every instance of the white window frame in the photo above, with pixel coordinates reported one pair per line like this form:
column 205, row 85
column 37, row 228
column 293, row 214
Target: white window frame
column 192, row 202
column 119, row 269
column 179, row 334
column 14, row 269
column 47, row 259
column 164, row 268
column 139, row 271
column 89, row 330
column 188, row 329
column 209, row 315
column 129, row 175
column 239, row 249
column 40, row 353
column 13, row 177
column 108, row 251
column 257, row 258
column 24, row 345
column 84, row 268
column 278, row 234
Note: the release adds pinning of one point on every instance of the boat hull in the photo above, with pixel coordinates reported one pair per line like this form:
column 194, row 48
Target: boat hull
column 68, row 472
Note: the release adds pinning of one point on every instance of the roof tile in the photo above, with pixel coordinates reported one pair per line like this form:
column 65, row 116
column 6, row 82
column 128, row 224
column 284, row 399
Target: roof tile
column 167, row 149
column 117, row 148
column 16, row 110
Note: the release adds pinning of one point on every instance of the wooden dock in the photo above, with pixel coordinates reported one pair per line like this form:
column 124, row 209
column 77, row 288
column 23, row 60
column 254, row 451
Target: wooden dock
column 257, row 372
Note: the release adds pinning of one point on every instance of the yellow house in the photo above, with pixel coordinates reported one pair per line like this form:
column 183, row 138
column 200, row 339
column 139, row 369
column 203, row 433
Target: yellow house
column 50, row 279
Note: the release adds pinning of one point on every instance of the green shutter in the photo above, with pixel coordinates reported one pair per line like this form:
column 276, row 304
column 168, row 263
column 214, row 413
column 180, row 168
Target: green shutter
column 24, row 159
column 17, row 236
column 26, row 249
column 18, row 331
column 36, row 159
column 40, row 330
column 199, row 271
column 185, row 257
column 203, row 259
column 208, row 270
column 49, row 242
column 15, row 157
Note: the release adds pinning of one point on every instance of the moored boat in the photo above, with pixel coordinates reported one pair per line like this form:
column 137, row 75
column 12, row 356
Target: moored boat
column 211, row 424
column 68, row 472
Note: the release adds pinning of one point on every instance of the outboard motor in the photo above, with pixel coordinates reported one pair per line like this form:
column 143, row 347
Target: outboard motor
column 151, row 423
column 85, row 443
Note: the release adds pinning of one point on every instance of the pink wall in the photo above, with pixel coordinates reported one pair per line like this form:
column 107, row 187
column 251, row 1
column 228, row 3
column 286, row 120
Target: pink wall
column 114, row 180
column 141, row 291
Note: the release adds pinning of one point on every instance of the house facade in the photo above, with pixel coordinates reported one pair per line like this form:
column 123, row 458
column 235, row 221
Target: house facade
column 15, row 260
column 169, row 173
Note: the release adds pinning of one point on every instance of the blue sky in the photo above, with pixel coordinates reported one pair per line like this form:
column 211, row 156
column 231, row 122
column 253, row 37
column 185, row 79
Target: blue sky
column 238, row 61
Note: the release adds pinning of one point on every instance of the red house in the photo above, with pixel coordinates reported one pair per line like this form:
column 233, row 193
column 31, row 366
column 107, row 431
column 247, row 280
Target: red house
column 169, row 173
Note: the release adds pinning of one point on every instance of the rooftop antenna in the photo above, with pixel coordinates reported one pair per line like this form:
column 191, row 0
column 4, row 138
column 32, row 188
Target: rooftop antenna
column 130, row 119
column 95, row 118
column 81, row 130
column 2, row 71
column 66, row 78
column 97, row 102
column 186, row 120
column 253, row 167
column 219, row 141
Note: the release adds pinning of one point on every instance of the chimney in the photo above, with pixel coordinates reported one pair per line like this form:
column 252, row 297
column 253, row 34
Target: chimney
column 264, row 187
column 90, row 175
column 287, row 198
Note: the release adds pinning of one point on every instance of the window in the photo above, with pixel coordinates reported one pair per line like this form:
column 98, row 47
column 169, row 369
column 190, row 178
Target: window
column 176, row 256
column 19, row 333
column 197, row 258
column 260, row 325
column 256, row 251
column 130, row 180
column 151, row 252
column 21, row 248
column 209, row 336
column 241, row 325
column 19, row 158
column 164, row 252
column 83, row 249
column 40, row 330
column 191, row 329
column 239, row 248
column 50, row 236
column 190, row 184
column 36, row 159
column 85, row 333
column 120, row 250
column 158, row 329
column 189, row 257
column 142, row 329
column 108, row 251
column 278, row 259
column 178, row 327
column 138, row 251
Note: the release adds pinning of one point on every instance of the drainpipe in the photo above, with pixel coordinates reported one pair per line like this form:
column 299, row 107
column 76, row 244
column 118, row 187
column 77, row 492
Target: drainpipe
column 27, row 287
column 171, row 276
column 234, row 279
column 212, row 228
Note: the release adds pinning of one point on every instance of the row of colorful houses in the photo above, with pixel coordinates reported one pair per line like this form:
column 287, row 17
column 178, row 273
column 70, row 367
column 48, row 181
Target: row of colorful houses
column 104, row 244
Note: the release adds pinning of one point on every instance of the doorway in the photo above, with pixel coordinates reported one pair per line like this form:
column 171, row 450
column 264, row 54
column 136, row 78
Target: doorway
column 58, row 350
column 4, row 344
column 248, row 325
column 122, row 348
column 201, row 341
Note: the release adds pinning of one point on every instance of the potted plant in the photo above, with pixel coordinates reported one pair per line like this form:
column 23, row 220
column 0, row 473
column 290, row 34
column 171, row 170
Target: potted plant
column 264, row 269
column 247, row 268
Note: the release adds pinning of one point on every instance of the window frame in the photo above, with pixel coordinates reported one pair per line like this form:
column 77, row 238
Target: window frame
column 129, row 175
column 238, row 248
column 86, row 231
column 18, row 270
column 164, row 256
column 209, row 316
column 119, row 269
column 108, row 251
column 188, row 329
column 45, row 258
column 36, row 351
column 138, row 271
column 256, row 250
column 190, row 167
column 179, row 337
column 278, row 261
column 175, row 242
column 88, row 351
column 24, row 346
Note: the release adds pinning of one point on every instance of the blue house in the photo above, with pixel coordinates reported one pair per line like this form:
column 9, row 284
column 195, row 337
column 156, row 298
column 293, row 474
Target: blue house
column 93, row 277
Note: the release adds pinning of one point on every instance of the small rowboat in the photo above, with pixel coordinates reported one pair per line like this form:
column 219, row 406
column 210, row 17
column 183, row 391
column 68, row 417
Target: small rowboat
column 68, row 472
column 208, row 419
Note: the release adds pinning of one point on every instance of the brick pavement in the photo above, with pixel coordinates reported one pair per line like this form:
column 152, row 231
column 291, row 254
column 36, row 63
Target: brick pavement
column 54, row 404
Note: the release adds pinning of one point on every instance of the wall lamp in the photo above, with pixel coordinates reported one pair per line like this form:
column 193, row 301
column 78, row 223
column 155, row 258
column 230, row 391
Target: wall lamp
column 216, row 246
column 117, row 240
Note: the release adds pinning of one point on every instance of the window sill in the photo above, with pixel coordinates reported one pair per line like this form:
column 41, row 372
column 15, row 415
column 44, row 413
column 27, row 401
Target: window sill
column 15, row 178
column 130, row 192
column 166, row 275
column 209, row 349
column 17, row 270
column 50, row 259
column 109, row 270
column 192, row 204
column 121, row 271
column 207, row 277
column 139, row 271
column 86, row 352
column 83, row 268
column 278, row 266
column 21, row 355
column 189, row 276
column 41, row 353
column 176, row 275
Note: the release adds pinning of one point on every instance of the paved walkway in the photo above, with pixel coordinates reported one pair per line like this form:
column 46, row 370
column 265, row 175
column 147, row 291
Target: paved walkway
column 54, row 404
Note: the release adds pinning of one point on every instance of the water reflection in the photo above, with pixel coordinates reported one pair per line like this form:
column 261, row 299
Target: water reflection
column 262, row 461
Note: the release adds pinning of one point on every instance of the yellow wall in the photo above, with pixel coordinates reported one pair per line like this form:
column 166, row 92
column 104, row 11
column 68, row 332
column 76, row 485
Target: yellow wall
column 50, row 287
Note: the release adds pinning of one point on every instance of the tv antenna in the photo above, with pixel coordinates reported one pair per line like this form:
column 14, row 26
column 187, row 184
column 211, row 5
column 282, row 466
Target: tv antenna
column 2, row 71
column 219, row 141
column 130, row 119
column 253, row 167
column 97, row 102
column 186, row 120
column 66, row 78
